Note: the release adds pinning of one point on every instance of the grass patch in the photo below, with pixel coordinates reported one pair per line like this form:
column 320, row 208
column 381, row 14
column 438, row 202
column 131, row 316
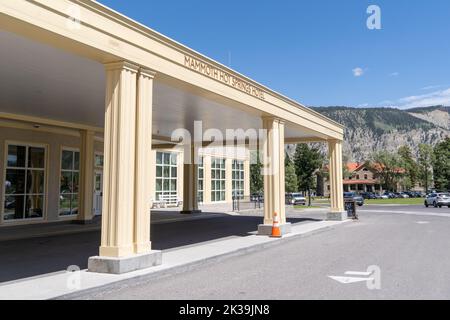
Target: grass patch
column 406, row 201
column 306, row 207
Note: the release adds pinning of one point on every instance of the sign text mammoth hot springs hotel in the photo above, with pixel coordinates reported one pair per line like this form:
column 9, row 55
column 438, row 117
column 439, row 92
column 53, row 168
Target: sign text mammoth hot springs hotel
column 222, row 76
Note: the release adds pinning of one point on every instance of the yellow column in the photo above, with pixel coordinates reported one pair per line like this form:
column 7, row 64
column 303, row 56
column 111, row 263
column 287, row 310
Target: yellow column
column 125, row 241
column 336, row 183
column 144, row 176
column 273, row 166
column 119, row 160
column 86, row 201
column 190, row 181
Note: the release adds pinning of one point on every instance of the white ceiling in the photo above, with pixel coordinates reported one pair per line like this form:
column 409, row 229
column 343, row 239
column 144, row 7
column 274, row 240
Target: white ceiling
column 43, row 81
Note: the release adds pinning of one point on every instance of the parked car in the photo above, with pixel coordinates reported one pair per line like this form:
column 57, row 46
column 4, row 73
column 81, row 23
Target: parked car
column 295, row 199
column 368, row 195
column 353, row 196
column 438, row 199
column 419, row 194
column 389, row 195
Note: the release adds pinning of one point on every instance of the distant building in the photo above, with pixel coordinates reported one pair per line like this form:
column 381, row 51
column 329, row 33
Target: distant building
column 359, row 177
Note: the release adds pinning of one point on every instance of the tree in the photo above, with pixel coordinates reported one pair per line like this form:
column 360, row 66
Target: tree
column 256, row 178
column 387, row 167
column 291, row 183
column 345, row 172
column 425, row 162
column 441, row 165
column 408, row 163
column 307, row 161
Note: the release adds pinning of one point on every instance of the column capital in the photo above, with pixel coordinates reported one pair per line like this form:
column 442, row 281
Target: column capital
column 273, row 118
column 122, row 65
column 87, row 132
column 147, row 73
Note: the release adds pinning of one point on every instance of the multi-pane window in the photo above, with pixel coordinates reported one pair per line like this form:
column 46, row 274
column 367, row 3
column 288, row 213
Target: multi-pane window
column 201, row 178
column 25, row 182
column 217, row 179
column 166, row 175
column 238, row 179
column 98, row 161
column 69, row 182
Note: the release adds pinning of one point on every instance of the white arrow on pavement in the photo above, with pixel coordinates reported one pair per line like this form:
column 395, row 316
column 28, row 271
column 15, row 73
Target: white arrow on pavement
column 358, row 273
column 347, row 280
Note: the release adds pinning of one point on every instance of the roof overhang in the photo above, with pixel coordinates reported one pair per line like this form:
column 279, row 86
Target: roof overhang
column 103, row 35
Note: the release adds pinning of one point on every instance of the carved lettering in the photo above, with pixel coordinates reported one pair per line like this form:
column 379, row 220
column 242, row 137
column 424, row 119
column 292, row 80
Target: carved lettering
column 223, row 76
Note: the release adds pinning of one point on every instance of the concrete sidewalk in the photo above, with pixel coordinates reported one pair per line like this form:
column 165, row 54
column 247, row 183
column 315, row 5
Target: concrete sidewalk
column 68, row 227
column 74, row 284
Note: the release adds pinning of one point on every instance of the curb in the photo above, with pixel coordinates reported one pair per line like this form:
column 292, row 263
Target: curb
column 186, row 267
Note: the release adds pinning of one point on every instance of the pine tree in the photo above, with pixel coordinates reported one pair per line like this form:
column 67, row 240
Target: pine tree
column 425, row 161
column 307, row 161
column 441, row 165
column 410, row 166
column 387, row 167
column 291, row 183
column 256, row 178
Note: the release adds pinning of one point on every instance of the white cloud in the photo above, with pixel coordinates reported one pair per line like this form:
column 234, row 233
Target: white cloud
column 394, row 74
column 358, row 72
column 432, row 87
column 436, row 98
column 441, row 97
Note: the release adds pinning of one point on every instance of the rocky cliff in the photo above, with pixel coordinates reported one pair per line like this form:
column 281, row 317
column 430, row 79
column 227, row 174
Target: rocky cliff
column 373, row 129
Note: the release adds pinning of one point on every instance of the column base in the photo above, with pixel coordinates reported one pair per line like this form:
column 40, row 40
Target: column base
column 266, row 229
column 126, row 264
column 190, row 211
column 337, row 216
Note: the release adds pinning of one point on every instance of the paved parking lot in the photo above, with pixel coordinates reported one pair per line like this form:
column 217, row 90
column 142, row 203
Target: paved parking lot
column 36, row 256
column 403, row 209
column 410, row 250
column 32, row 257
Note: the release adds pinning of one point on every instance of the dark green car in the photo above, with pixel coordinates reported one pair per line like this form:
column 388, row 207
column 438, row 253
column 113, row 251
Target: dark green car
column 355, row 197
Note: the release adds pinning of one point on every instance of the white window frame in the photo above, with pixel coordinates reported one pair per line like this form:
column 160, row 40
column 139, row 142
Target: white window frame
column 168, row 192
column 222, row 170
column 238, row 169
column 98, row 153
column 201, row 167
column 5, row 168
column 61, row 170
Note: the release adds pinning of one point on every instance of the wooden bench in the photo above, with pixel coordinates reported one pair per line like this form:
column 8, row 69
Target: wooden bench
column 166, row 201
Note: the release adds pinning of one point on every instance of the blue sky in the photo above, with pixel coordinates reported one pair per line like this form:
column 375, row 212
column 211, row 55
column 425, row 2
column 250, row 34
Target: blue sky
column 318, row 52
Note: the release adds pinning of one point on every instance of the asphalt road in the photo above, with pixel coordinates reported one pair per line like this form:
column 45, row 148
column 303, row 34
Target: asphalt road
column 409, row 244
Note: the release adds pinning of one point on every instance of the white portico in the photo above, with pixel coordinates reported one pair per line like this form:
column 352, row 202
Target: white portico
column 104, row 85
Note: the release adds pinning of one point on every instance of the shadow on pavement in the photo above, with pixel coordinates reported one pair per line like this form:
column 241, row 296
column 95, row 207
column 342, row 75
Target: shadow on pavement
column 32, row 257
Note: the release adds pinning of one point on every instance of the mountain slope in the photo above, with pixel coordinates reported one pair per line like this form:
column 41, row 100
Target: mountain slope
column 438, row 115
column 374, row 129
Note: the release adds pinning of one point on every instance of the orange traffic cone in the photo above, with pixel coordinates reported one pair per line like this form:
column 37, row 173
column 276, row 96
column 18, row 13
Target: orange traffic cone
column 276, row 232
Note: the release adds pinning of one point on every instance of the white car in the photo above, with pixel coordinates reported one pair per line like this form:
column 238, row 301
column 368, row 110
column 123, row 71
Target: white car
column 438, row 199
column 295, row 199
